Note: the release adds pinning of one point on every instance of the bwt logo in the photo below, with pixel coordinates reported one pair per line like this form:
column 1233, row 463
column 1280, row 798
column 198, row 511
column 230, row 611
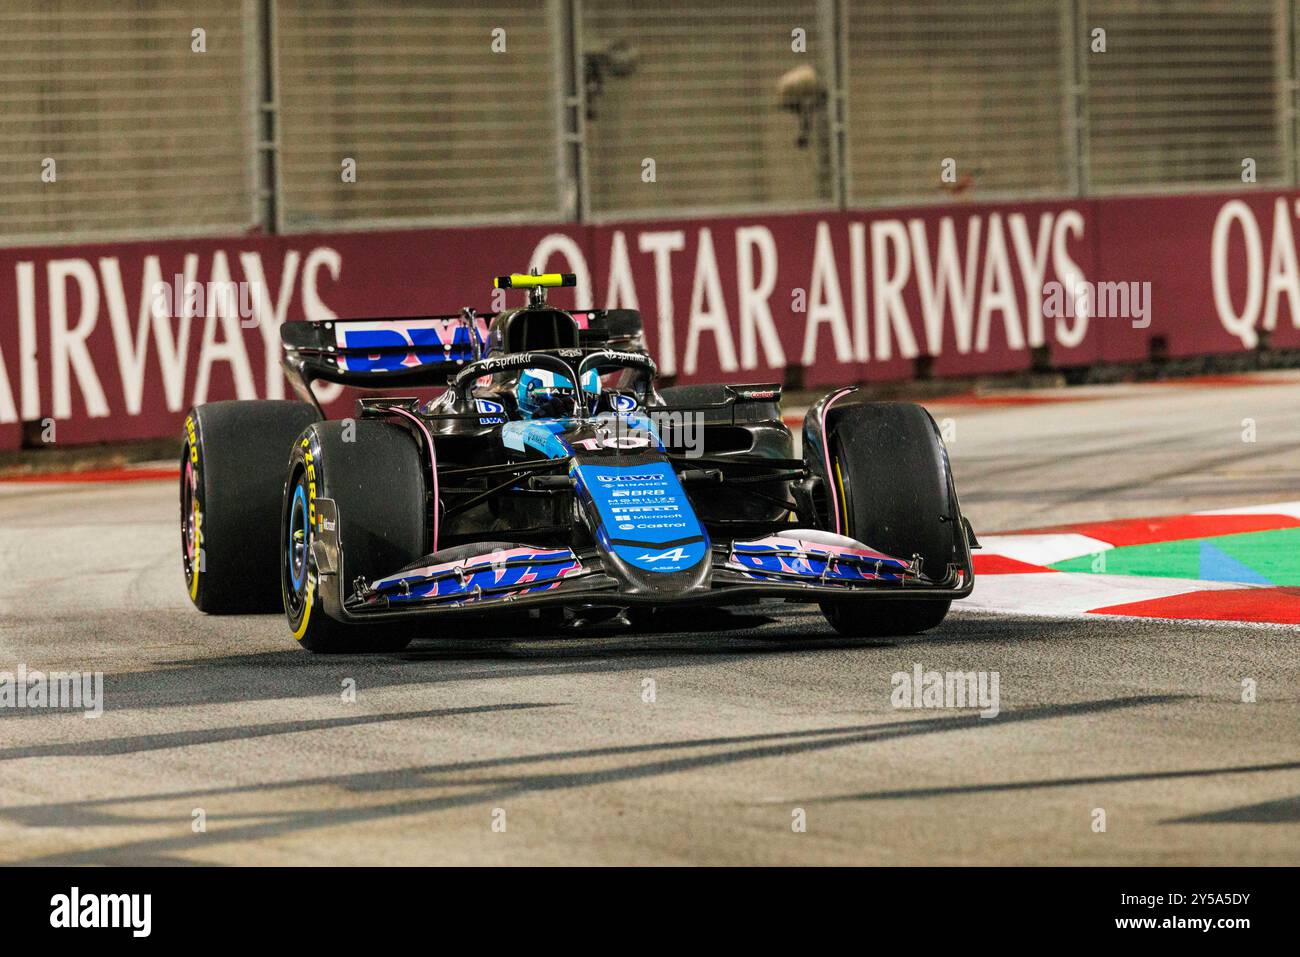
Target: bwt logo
column 73, row 910
column 403, row 344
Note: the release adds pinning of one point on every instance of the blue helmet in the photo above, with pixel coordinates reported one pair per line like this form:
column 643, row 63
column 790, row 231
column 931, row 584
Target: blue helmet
column 544, row 394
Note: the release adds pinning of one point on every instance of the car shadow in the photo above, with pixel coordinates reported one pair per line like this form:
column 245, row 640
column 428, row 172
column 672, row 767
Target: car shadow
column 475, row 782
column 1069, row 782
column 290, row 673
column 135, row 744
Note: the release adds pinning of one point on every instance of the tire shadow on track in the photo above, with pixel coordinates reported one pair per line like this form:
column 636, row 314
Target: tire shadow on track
column 135, row 744
column 1282, row 811
column 468, row 783
column 1095, row 779
column 291, row 674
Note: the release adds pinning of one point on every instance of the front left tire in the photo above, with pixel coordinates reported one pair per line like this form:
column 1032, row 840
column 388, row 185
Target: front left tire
column 373, row 473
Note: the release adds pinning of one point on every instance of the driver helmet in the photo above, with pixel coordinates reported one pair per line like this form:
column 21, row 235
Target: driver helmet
column 544, row 394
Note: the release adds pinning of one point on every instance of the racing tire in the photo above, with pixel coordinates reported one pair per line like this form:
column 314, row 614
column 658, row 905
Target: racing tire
column 891, row 473
column 232, row 484
column 373, row 472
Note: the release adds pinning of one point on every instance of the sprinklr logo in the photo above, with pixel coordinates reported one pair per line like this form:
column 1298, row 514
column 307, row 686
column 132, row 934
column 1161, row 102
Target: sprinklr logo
column 73, row 910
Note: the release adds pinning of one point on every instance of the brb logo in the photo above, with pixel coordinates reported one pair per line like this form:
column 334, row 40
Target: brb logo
column 489, row 412
column 395, row 345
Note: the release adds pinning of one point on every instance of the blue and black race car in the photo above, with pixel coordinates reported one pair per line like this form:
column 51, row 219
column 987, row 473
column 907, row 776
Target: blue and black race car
column 554, row 479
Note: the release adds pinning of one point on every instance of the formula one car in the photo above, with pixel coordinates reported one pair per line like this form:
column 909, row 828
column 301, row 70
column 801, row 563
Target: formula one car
column 553, row 480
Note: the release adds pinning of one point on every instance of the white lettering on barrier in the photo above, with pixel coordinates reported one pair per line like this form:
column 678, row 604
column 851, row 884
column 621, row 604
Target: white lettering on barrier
column 1237, row 236
column 755, row 311
column 662, row 245
column 158, row 321
column 968, row 283
column 825, row 302
column 69, row 356
column 708, row 310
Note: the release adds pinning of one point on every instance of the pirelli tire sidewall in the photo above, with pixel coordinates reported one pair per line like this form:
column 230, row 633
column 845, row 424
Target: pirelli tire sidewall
column 894, row 490
column 301, row 603
column 372, row 472
column 231, row 485
column 193, row 509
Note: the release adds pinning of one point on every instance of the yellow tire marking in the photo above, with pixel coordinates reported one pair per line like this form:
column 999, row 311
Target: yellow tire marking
column 844, row 502
column 194, row 583
column 197, row 565
column 311, row 522
column 198, row 517
column 306, row 612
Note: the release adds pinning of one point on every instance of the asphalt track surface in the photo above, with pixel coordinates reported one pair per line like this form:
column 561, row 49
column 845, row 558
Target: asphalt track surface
column 757, row 712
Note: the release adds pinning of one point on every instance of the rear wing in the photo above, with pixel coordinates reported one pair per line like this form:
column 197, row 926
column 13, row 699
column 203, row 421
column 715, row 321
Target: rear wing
column 421, row 350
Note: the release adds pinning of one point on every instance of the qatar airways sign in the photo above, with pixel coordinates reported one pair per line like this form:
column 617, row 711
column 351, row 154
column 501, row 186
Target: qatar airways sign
column 116, row 341
column 95, row 337
column 1263, row 248
column 839, row 291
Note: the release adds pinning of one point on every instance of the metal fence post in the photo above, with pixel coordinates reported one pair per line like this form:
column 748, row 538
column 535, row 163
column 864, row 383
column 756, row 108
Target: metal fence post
column 267, row 186
column 572, row 118
column 833, row 18
column 1287, row 88
column 1074, row 84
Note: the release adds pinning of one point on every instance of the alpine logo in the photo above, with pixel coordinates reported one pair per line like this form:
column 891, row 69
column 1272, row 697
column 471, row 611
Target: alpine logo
column 673, row 555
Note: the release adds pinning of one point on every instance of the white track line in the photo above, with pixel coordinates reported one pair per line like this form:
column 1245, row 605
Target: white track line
column 1042, row 548
column 1069, row 595
column 1291, row 509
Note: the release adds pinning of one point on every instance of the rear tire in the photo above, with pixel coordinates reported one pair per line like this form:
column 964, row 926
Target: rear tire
column 376, row 478
column 232, row 483
column 890, row 471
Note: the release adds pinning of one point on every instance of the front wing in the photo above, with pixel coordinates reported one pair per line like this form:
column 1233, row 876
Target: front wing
column 523, row 577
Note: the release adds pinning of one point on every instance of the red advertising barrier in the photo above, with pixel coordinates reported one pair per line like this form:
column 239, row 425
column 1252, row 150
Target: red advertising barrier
column 845, row 296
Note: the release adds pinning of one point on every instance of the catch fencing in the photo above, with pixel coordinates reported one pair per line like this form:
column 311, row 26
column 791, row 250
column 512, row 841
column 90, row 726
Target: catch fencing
column 182, row 118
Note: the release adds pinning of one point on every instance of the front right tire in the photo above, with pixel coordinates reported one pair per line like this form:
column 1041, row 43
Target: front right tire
column 894, row 492
column 232, row 484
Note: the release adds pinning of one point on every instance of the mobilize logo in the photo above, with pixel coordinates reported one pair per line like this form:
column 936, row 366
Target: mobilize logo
column 74, row 910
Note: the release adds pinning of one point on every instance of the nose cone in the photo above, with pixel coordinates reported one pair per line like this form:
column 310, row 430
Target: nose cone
column 644, row 524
